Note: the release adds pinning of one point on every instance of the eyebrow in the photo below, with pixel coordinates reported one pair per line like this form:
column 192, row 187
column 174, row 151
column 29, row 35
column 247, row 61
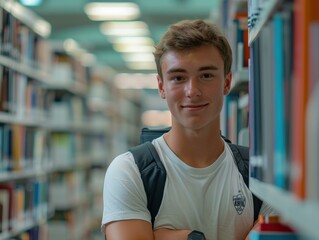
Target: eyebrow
column 176, row 70
column 211, row 67
column 182, row 70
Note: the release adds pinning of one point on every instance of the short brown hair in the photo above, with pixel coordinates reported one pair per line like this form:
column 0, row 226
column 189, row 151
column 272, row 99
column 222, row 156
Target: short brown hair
column 193, row 33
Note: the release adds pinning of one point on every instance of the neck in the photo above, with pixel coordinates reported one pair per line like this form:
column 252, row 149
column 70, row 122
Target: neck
column 197, row 148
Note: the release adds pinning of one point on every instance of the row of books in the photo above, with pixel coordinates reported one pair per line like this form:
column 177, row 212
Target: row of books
column 18, row 41
column 271, row 86
column 21, row 43
column 19, row 95
column 25, row 148
column 236, row 119
column 47, row 129
column 22, row 97
column 236, row 30
column 21, row 147
column 22, row 203
column 283, row 79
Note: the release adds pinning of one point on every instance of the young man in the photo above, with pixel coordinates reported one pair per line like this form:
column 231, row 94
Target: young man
column 194, row 74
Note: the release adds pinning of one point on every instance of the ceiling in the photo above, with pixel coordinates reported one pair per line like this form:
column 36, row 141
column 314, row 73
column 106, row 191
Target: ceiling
column 68, row 20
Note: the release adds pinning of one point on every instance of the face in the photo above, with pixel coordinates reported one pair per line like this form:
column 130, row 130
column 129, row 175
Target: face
column 194, row 85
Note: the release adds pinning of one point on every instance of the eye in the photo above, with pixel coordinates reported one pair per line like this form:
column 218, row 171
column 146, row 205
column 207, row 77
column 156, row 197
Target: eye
column 207, row 76
column 177, row 78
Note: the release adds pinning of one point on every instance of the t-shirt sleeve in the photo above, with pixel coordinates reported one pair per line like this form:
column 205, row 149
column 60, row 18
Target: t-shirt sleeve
column 124, row 197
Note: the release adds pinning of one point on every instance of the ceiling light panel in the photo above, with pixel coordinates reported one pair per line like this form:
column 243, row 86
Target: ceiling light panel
column 135, row 28
column 138, row 57
column 133, row 49
column 101, row 11
column 133, row 40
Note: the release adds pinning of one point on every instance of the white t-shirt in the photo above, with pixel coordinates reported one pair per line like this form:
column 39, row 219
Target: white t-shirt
column 214, row 200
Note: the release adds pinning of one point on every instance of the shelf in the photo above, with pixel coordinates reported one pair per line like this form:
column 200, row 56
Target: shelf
column 37, row 24
column 21, row 228
column 240, row 81
column 39, row 171
column 44, row 122
column 74, row 127
column 243, row 101
column 267, row 11
column 30, row 121
column 22, row 68
column 72, row 86
column 10, row 176
column 43, row 77
column 303, row 215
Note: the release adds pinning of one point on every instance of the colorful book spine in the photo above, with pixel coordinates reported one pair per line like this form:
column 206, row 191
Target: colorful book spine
column 271, row 228
column 306, row 13
column 280, row 166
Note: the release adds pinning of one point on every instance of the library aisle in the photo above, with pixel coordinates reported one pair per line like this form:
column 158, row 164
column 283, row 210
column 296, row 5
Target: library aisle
column 55, row 126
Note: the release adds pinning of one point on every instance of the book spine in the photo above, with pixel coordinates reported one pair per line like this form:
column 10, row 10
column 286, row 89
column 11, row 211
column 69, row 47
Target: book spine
column 280, row 128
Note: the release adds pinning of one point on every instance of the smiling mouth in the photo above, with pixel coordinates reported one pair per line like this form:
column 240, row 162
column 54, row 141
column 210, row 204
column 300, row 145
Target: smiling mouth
column 194, row 106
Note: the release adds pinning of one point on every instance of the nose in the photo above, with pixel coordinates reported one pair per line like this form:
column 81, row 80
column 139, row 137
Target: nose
column 193, row 88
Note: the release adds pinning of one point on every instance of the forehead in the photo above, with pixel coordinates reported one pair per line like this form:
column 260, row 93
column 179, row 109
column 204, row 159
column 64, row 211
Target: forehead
column 192, row 58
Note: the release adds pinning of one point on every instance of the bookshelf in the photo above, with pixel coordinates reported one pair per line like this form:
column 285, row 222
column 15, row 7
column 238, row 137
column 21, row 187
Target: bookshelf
column 53, row 139
column 236, row 102
column 283, row 39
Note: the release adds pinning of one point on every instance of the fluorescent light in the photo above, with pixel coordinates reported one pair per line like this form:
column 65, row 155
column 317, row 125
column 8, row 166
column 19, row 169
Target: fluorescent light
column 124, row 28
column 112, row 11
column 132, row 48
column 133, row 44
column 31, row 3
column 133, row 40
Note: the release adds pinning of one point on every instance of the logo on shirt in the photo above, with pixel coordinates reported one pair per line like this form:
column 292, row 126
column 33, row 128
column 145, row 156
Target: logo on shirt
column 239, row 201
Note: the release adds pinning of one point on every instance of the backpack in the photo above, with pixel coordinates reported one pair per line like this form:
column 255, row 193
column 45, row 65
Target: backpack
column 153, row 173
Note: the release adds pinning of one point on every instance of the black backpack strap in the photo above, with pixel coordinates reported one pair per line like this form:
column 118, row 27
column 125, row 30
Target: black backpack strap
column 241, row 155
column 153, row 175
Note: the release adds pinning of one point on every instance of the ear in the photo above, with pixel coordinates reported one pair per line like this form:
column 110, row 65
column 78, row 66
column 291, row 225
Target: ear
column 227, row 84
column 160, row 84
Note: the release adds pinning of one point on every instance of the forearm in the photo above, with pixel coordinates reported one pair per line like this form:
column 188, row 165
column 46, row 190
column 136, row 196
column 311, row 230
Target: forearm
column 168, row 234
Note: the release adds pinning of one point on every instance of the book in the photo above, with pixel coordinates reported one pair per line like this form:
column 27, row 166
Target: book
column 305, row 14
column 9, row 189
column 4, row 211
column 280, row 165
column 312, row 130
column 267, row 101
column 256, row 235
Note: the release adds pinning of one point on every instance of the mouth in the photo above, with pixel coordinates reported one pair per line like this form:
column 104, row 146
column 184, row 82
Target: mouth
column 195, row 106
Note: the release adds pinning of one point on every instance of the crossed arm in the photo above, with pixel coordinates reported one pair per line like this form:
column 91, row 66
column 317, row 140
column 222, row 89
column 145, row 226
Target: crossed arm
column 141, row 230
